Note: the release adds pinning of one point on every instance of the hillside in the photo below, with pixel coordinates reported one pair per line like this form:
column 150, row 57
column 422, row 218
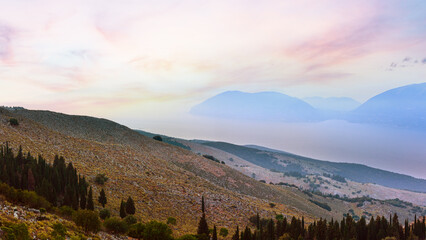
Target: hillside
column 332, row 103
column 163, row 179
column 311, row 179
column 287, row 162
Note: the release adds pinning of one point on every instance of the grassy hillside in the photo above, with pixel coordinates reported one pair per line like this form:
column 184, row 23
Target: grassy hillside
column 286, row 162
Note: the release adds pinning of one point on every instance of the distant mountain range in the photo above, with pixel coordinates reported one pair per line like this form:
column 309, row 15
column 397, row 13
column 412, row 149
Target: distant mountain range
column 403, row 107
column 269, row 106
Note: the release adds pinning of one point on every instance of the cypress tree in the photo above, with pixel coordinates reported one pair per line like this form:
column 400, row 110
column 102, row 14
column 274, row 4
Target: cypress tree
column 83, row 201
column 130, row 206
column 203, row 228
column 236, row 234
column 102, row 198
column 90, row 204
column 214, row 237
column 122, row 209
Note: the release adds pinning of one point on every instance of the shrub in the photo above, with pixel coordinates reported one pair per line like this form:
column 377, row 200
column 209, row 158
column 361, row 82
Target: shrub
column 88, row 220
column 157, row 231
column 14, row 122
column 171, row 220
column 158, row 138
column 188, row 237
column 115, row 225
column 272, row 205
column 15, row 231
column 223, row 232
column 59, row 231
column 101, row 179
column 320, row 204
column 66, row 211
column 136, row 230
column 104, row 214
column 130, row 220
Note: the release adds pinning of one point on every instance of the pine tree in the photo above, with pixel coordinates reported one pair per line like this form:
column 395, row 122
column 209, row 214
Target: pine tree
column 123, row 209
column 130, row 206
column 102, row 198
column 90, row 204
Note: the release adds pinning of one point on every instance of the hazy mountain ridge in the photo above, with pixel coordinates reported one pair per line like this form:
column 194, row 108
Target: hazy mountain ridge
column 269, row 106
column 402, row 107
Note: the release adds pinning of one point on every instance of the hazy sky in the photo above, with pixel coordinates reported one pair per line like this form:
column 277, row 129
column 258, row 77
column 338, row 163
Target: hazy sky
column 145, row 63
column 159, row 58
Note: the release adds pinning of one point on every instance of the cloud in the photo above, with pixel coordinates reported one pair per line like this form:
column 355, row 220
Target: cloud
column 6, row 35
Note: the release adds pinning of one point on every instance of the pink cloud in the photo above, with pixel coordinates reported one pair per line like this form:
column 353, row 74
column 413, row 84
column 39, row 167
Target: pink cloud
column 340, row 45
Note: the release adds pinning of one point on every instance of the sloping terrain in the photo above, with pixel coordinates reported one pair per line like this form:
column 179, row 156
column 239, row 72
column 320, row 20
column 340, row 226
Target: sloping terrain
column 287, row 162
column 260, row 163
column 164, row 180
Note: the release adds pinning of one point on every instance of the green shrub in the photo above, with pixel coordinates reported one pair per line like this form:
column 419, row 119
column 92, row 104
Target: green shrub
column 188, row 237
column 115, row 225
column 223, row 232
column 130, row 220
column 14, row 122
column 136, row 230
column 88, row 220
column 15, row 232
column 66, row 211
column 104, row 214
column 59, row 231
column 171, row 220
column 157, row 231
column 101, row 179
column 158, row 138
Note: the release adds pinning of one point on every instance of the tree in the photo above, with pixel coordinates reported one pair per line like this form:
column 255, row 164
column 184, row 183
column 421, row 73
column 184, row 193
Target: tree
column 203, row 228
column 88, row 220
column 102, row 198
column 90, row 205
column 157, row 231
column 123, row 209
column 130, row 206
column 236, row 235
column 214, row 236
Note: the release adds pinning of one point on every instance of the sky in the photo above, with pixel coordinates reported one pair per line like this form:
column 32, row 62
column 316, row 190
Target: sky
column 146, row 63
column 163, row 57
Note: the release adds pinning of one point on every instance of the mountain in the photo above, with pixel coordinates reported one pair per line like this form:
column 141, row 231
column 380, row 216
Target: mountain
column 403, row 106
column 340, row 104
column 269, row 106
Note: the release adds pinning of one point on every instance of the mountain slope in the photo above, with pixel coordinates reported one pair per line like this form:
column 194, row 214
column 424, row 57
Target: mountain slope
column 270, row 106
column 404, row 106
column 287, row 162
column 164, row 180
